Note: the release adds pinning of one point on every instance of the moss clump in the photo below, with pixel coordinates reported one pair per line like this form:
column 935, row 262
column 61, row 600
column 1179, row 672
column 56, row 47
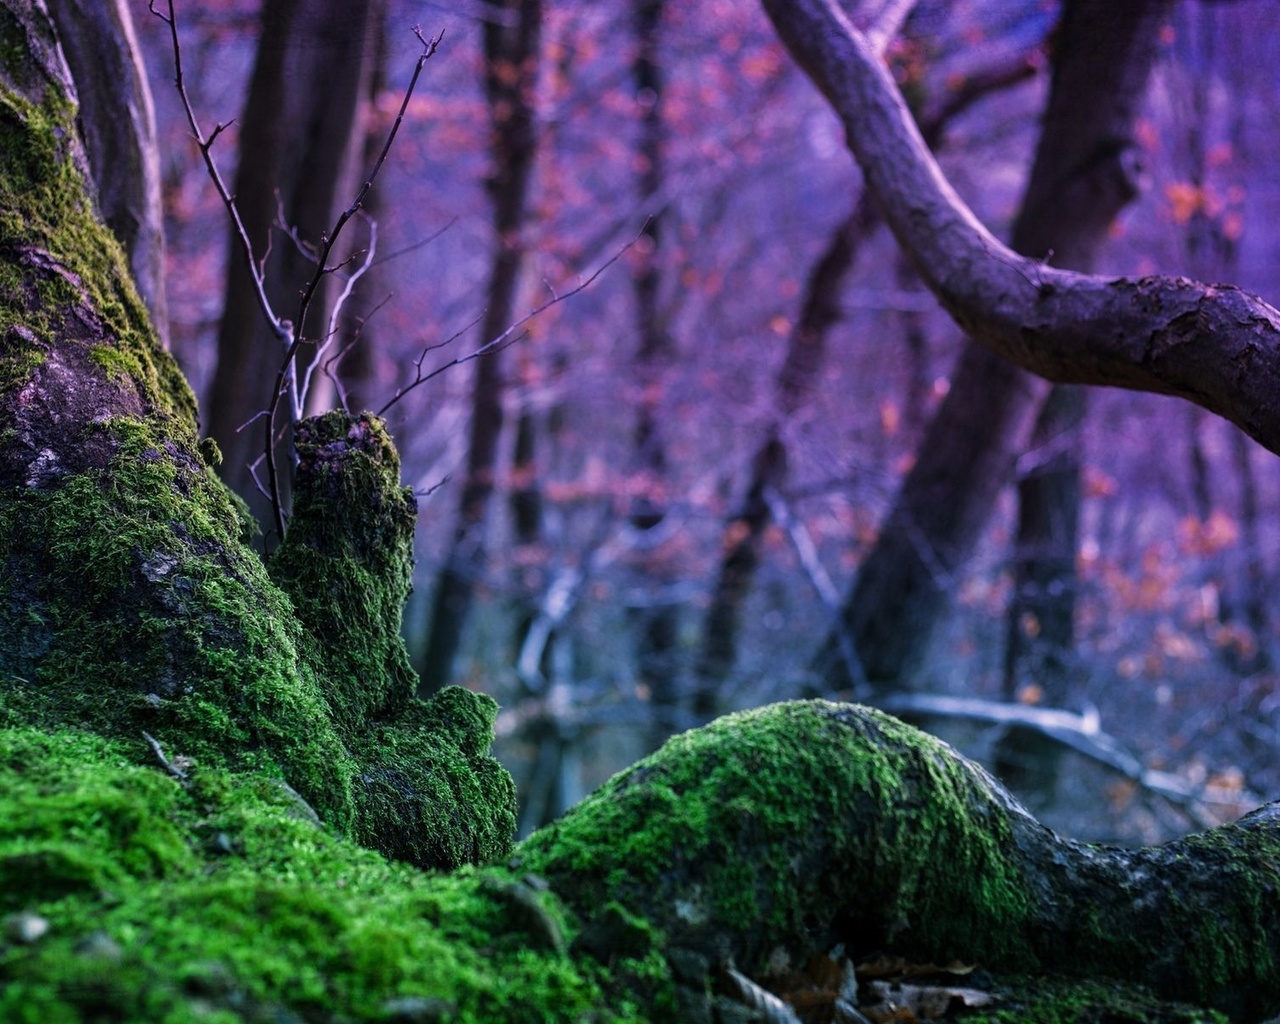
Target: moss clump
column 427, row 791
column 222, row 900
column 805, row 819
column 347, row 560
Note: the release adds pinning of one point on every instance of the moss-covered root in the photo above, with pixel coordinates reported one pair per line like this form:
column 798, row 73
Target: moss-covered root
column 347, row 559
column 797, row 826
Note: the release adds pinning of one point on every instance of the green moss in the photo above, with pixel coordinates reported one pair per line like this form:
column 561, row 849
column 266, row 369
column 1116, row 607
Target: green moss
column 59, row 256
column 347, row 560
column 144, row 613
column 802, row 781
column 222, row 901
column 1057, row 1001
column 140, row 610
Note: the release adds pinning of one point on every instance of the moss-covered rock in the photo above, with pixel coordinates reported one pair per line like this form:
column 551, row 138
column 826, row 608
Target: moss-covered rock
column 774, row 834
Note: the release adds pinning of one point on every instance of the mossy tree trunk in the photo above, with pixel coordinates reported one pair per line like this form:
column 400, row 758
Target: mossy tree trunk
column 131, row 604
column 173, row 715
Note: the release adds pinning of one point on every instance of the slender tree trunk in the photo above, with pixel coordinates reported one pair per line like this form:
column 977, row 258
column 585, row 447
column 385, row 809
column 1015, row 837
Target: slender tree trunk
column 1042, row 612
column 915, row 404
column 355, row 362
column 1040, row 619
column 299, row 142
column 797, row 377
column 511, row 49
column 657, row 622
column 117, row 123
column 1084, row 173
column 1213, row 253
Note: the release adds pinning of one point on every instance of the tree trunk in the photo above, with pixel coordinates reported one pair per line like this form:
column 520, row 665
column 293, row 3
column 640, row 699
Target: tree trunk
column 1082, row 176
column 117, row 123
column 364, row 347
column 1040, row 619
column 745, row 527
column 798, row 376
column 299, row 143
column 511, row 47
column 657, row 621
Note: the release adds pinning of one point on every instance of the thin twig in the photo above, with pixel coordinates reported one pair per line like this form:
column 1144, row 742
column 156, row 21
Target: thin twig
column 331, row 329
column 169, row 766
column 807, row 552
column 429, row 47
column 503, row 339
column 282, row 329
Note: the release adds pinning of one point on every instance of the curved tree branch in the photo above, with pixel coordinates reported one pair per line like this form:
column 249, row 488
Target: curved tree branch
column 1214, row 345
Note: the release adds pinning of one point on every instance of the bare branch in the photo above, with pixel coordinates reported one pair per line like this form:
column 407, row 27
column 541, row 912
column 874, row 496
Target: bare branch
column 888, row 22
column 285, row 376
column 1075, row 732
column 503, row 339
column 174, row 767
column 807, row 552
column 283, row 329
column 1213, row 345
column 331, row 329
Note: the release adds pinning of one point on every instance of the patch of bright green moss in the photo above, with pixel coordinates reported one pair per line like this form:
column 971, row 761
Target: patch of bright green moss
column 222, row 900
column 789, row 816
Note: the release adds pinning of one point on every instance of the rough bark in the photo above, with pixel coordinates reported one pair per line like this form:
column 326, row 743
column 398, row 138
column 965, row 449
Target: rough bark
column 117, row 123
column 511, row 47
column 299, row 139
column 1082, row 176
column 1215, row 345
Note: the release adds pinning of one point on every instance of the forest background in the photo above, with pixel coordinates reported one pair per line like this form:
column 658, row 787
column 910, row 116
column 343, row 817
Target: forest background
column 652, row 502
